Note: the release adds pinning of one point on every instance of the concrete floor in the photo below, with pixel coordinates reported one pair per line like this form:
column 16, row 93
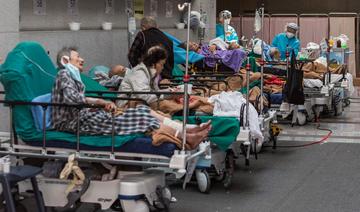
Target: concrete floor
column 316, row 178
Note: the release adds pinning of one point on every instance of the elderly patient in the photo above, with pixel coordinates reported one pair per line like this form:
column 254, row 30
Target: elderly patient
column 232, row 57
column 145, row 76
column 69, row 89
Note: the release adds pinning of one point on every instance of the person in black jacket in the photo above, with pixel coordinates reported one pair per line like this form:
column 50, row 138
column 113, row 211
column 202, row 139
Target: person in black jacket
column 148, row 37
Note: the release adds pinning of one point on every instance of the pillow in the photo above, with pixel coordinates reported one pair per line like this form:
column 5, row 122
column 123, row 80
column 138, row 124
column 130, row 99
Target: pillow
column 38, row 112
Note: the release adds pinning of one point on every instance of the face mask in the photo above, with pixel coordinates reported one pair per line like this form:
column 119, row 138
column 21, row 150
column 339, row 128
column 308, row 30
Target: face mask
column 227, row 21
column 73, row 70
column 290, row 35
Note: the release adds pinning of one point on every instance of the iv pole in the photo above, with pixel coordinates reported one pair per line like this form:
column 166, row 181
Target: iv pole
column 262, row 63
column 186, row 76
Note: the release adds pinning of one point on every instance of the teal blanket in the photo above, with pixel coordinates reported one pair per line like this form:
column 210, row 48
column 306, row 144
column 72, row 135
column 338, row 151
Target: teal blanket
column 27, row 73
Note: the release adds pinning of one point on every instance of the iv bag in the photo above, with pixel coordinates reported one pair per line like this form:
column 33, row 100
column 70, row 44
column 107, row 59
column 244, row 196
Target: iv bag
column 132, row 25
column 257, row 23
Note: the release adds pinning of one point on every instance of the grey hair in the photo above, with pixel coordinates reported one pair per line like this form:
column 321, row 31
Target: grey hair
column 148, row 22
column 65, row 51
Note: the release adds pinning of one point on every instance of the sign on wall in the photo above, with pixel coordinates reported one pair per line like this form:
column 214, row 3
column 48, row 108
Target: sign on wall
column 154, row 8
column 39, row 7
column 73, row 7
column 109, row 7
column 169, row 9
column 139, row 9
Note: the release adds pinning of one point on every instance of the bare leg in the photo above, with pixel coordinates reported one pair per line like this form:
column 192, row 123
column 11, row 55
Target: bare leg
column 192, row 139
column 178, row 126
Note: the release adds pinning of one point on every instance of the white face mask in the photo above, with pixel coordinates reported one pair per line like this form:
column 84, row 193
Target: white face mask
column 290, row 35
column 227, row 21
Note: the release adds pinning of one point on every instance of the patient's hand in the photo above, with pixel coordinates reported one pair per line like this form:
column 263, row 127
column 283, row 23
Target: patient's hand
column 110, row 107
column 212, row 48
column 175, row 89
column 234, row 45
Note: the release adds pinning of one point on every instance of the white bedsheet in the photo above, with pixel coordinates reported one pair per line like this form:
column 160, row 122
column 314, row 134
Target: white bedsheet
column 316, row 83
column 229, row 104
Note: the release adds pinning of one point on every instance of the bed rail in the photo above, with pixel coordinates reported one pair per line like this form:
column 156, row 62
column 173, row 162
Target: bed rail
column 11, row 148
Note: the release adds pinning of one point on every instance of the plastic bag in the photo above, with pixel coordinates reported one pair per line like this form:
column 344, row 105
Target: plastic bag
column 312, row 46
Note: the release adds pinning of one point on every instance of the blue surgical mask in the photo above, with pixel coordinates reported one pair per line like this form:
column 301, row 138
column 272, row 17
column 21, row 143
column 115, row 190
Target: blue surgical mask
column 74, row 71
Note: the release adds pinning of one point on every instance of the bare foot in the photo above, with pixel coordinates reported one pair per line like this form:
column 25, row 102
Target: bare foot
column 194, row 139
column 202, row 127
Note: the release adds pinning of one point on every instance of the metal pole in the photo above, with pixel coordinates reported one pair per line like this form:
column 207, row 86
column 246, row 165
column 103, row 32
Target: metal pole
column 247, row 124
column 327, row 79
column 12, row 131
column 44, row 128
column 262, row 64
column 112, row 135
column 287, row 55
column 78, row 131
column 186, row 78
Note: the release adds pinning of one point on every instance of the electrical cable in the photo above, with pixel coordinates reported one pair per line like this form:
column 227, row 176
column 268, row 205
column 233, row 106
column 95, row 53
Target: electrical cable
column 321, row 141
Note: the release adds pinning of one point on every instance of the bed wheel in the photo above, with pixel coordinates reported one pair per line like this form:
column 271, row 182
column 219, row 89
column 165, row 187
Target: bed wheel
column 220, row 177
column 164, row 198
column 135, row 206
column 301, row 118
column 203, row 181
column 346, row 102
column 273, row 139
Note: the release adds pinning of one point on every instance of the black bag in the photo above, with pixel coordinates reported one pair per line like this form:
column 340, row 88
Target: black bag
column 293, row 90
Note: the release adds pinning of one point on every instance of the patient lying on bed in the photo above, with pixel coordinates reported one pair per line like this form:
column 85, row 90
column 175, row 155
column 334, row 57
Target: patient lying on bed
column 232, row 58
column 69, row 89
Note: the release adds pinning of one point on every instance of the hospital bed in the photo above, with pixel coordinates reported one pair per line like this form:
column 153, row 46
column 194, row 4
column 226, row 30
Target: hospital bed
column 27, row 73
column 218, row 163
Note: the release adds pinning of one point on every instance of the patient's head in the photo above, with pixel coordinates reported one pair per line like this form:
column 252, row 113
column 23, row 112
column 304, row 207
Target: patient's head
column 147, row 23
column 155, row 58
column 69, row 55
column 274, row 53
column 117, row 70
column 224, row 15
column 192, row 46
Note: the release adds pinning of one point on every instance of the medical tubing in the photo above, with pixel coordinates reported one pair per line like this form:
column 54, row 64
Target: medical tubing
column 186, row 78
column 37, row 65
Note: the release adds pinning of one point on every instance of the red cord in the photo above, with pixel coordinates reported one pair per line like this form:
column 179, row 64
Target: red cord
column 312, row 143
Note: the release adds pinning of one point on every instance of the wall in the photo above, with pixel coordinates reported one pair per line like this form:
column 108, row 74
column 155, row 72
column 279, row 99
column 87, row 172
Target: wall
column 282, row 6
column 97, row 46
column 9, row 36
column 18, row 23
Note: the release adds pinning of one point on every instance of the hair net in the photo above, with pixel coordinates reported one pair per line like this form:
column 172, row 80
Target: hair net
column 292, row 26
column 226, row 14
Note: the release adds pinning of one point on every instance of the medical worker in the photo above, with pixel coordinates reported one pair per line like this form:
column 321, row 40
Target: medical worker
column 287, row 40
column 229, row 31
